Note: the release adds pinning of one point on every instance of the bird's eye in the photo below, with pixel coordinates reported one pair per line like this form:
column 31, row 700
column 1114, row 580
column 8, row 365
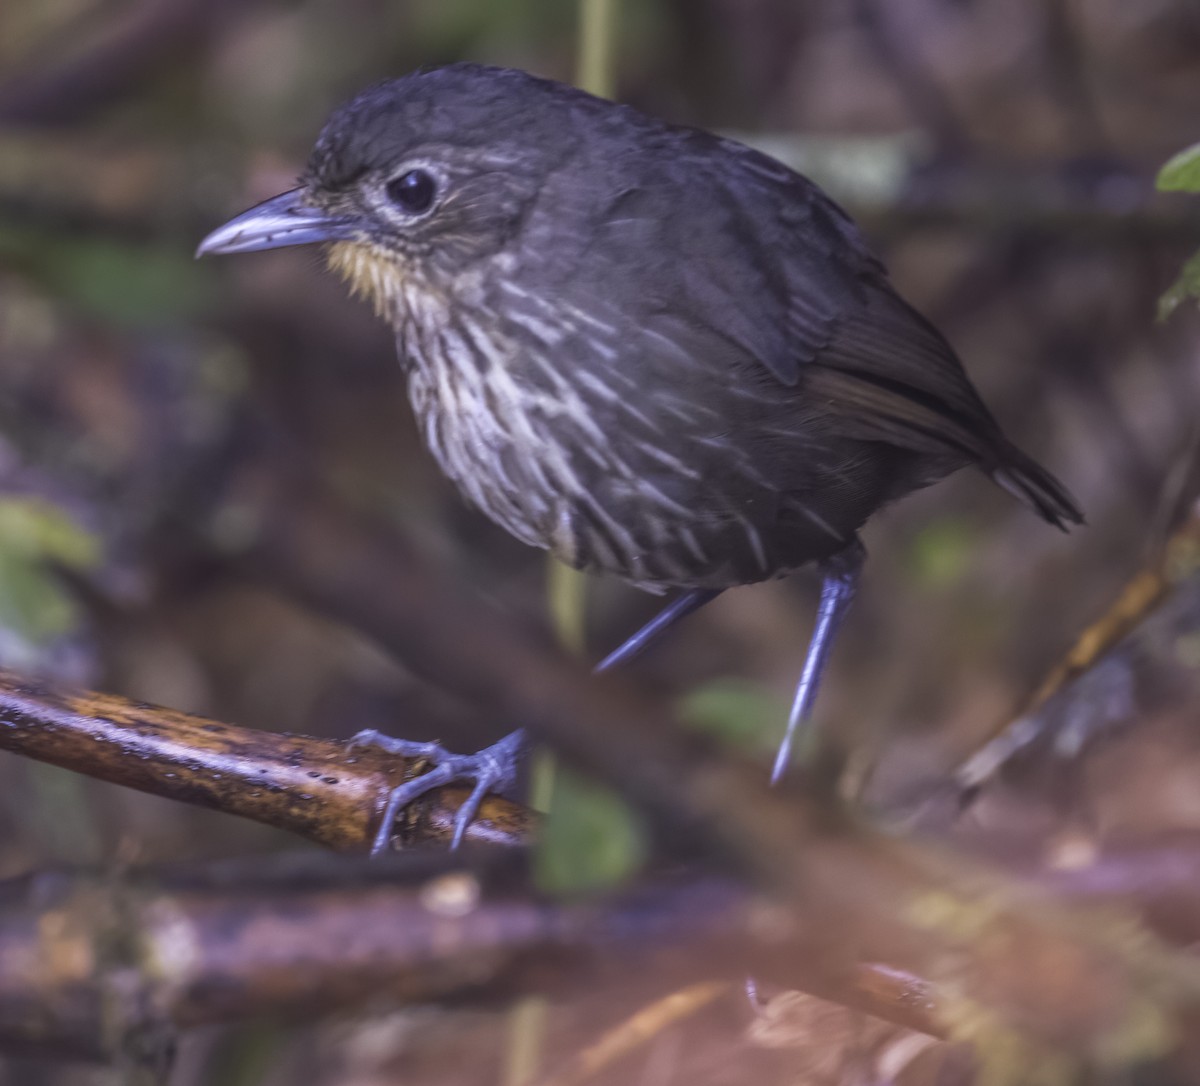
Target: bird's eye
column 413, row 191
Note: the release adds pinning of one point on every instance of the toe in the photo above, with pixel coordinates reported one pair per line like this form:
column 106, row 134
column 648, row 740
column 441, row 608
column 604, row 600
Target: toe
column 401, row 797
column 468, row 812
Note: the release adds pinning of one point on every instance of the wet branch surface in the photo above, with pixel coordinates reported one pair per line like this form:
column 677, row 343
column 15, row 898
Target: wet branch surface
column 327, row 791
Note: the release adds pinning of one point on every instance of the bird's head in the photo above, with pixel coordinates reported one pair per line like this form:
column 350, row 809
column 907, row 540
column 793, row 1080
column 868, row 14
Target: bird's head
column 416, row 180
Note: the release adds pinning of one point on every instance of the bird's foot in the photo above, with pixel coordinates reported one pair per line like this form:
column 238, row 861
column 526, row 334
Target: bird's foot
column 492, row 769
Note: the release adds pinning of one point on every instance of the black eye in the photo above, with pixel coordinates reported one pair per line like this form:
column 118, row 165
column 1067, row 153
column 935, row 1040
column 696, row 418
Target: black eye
column 413, row 191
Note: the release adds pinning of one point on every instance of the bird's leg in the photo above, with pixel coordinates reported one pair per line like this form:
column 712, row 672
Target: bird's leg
column 839, row 582
column 666, row 618
column 496, row 768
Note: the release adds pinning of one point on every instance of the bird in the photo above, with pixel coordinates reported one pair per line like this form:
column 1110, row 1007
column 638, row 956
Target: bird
column 649, row 349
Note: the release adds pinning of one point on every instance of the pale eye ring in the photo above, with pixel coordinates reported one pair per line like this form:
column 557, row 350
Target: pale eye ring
column 413, row 191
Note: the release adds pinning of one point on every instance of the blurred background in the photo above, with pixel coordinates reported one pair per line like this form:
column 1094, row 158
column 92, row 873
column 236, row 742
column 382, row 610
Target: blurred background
column 999, row 153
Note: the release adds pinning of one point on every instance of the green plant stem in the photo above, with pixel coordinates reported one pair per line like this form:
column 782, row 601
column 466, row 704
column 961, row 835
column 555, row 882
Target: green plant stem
column 597, row 47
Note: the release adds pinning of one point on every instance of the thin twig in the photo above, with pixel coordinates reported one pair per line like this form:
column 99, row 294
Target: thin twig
column 1179, row 559
column 637, row 1031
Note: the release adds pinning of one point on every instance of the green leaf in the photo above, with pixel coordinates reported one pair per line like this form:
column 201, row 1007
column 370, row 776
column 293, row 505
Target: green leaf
column 126, row 284
column 744, row 714
column 591, row 840
column 34, row 533
column 1181, row 172
column 36, row 528
column 32, row 605
column 1186, row 286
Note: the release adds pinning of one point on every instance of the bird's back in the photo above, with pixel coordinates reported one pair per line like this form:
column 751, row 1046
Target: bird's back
column 680, row 362
column 707, row 377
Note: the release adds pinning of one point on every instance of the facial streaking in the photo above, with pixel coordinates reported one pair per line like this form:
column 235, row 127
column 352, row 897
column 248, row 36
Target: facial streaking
column 410, row 189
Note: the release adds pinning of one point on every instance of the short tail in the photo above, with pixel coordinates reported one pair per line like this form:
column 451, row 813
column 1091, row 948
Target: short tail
column 1026, row 479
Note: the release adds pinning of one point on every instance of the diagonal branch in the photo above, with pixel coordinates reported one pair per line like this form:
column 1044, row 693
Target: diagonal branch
column 1164, row 581
column 317, row 788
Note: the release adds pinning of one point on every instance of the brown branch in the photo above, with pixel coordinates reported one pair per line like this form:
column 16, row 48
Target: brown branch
column 313, row 935
column 1161, row 589
column 1148, row 876
column 317, row 788
column 1179, row 559
column 97, row 966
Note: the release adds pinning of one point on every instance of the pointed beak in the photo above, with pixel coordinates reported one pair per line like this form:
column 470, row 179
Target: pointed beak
column 279, row 221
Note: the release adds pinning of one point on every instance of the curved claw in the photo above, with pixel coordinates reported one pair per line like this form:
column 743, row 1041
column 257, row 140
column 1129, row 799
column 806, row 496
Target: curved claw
column 491, row 769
